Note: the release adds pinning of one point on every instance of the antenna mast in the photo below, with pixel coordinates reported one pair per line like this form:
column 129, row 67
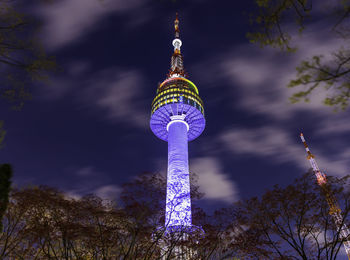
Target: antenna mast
column 334, row 209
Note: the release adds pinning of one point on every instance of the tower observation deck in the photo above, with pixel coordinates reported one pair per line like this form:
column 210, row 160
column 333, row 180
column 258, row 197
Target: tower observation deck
column 177, row 117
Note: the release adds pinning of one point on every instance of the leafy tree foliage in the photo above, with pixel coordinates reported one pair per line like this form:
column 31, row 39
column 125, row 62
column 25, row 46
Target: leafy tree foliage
column 23, row 60
column 272, row 20
column 22, row 57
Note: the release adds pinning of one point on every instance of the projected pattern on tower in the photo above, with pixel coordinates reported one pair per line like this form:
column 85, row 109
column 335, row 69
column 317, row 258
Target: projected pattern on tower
column 177, row 117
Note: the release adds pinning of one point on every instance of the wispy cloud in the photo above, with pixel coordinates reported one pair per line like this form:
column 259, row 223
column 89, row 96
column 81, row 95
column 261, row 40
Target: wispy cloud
column 86, row 171
column 119, row 94
column 337, row 124
column 215, row 184
column 109, row 192
column 105, row 192
column 276, row 145
column 69, row 20
column 115, row 93
column 258, row 79
column 259, row 76
column 62, row 84
column 262, row 77
column 91, row 180
column 269, row 142
column 212, row 180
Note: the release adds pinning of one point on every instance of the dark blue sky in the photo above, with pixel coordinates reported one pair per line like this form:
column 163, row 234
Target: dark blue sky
column 87, row 131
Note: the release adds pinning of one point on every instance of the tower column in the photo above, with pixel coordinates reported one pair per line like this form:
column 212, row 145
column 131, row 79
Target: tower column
column 178, row 200
column 177, row 117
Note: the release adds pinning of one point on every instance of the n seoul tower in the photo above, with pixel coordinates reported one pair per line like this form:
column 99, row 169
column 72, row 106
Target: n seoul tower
column 177, row 117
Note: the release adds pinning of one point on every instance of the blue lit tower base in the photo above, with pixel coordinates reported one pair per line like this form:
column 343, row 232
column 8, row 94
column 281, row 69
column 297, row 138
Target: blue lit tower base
column 179, row 242
column 178, row 117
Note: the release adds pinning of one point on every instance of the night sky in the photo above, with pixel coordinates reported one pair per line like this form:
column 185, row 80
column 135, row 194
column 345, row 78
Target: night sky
column 88, row 130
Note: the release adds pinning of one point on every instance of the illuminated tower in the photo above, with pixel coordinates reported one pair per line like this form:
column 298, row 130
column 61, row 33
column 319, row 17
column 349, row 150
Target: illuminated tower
column 334, row 208
column 177, row 118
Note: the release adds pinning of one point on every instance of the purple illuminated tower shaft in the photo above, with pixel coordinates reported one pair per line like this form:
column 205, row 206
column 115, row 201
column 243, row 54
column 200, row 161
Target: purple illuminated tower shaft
column 178, row 200
column 177, row 118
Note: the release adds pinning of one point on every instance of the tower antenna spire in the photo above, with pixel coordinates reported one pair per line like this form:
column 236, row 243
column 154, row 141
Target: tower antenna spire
column 176, row 25
column 176, row 66
column 334, row 209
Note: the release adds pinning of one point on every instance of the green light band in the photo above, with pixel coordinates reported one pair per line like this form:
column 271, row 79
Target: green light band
column 184, row 79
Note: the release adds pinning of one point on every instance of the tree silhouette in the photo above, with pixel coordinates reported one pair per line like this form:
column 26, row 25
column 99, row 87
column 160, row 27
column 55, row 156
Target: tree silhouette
column 5, row 186
column 23, row 60
column 42, row 222
column 2, row 134
column 274, row 19
column 285, row 223
column 294, row 222
column 22, row 57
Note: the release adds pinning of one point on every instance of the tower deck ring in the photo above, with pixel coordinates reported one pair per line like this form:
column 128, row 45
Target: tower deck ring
column 161, row 118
